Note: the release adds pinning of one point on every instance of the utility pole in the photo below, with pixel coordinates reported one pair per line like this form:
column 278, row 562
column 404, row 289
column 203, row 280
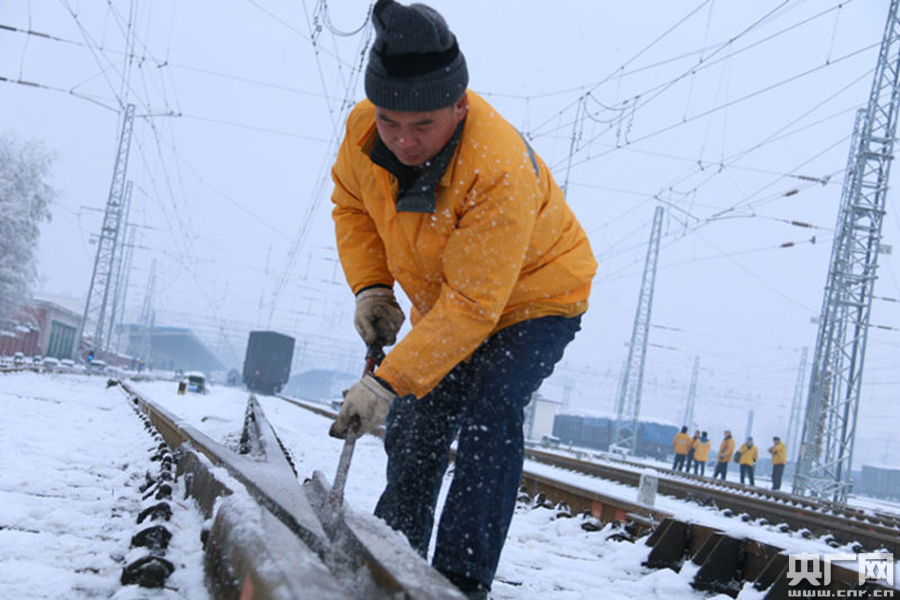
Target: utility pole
column 829, row 429
column 94, row 320
column 790, row 437
column 692, row 394
column 629, row 402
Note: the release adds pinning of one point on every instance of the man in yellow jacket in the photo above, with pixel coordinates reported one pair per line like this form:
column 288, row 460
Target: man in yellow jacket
column 779, row 458
column 749, row 455
column 701, row 447
column 681, row 444
column 435, row 191
column 726, row 450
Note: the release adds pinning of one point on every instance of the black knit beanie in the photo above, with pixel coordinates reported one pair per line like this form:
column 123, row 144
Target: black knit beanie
column 415, row 64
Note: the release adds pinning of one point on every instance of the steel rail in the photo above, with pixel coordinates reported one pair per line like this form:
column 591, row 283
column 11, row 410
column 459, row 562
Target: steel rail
column 844, row 525
column 305, row 550
column 797, row 512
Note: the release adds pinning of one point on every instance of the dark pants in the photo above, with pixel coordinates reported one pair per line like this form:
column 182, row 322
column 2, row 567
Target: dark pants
column 689, row 461
column 700, row 468
column 721, row 469
column 482, row 400
column 679, row 462
column 747, row 470
column 777, row 472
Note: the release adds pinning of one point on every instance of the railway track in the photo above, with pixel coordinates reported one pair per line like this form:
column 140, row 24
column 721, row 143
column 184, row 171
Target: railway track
column 724, row 563
column 270, row 539
column 841, row 525
column 275, row 537
column 821, row 504
column 844, row 526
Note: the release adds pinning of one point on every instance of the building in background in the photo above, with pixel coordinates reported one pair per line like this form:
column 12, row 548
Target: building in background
column 46, row 326
column 319, row 384
column 169, row 348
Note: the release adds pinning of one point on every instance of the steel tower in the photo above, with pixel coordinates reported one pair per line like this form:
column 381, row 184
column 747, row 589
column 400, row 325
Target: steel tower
column 829, row 429
column 95, row 309
column 629, row 401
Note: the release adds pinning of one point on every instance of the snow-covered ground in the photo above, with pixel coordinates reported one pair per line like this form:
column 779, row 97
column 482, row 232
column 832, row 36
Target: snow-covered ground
column 73, row 453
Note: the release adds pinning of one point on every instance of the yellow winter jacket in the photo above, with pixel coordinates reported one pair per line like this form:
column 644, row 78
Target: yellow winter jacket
column 501, row 246
column 749, row 456
column 701, row 449
column 726, row 449
column 681, row 443
column 779, row 453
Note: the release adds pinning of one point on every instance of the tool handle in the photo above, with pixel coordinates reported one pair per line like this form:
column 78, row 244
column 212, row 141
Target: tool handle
column 374, row 356
column 336, row 495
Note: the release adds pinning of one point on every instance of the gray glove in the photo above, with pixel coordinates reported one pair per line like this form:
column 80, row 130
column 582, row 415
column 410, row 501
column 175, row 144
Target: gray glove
column 366, row 402
column 378, row 317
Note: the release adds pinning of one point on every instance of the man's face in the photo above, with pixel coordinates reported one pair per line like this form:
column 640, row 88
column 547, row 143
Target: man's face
column 416, row 137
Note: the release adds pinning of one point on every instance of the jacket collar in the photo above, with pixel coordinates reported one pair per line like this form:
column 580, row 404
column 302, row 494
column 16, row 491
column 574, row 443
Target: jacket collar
column 416, row 185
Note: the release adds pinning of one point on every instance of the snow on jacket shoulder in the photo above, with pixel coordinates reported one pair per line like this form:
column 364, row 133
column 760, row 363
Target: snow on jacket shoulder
column 502, row 245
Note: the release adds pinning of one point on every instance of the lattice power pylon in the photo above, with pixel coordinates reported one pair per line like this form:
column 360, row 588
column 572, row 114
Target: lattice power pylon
column 629, row 401
column 95, row 318
column 829, row 428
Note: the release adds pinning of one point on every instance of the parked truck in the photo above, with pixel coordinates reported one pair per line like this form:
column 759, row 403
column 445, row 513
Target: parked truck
column 267, row 363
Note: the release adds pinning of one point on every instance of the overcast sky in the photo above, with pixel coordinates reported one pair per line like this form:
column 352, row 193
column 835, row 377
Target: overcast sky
column 734, row 116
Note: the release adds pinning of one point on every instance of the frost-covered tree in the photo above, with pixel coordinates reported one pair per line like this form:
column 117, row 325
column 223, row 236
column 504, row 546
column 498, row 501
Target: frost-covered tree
column 25, row 198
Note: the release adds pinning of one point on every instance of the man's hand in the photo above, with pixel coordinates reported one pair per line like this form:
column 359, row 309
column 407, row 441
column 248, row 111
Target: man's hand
column 378, row 317
column 367, row 400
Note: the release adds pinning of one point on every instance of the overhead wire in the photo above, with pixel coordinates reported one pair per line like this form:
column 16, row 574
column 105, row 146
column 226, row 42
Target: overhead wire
column 637, row 55
column 165, row 62
column 705, row 63
column 690, row 172
column 318, row 190
column 725, row 105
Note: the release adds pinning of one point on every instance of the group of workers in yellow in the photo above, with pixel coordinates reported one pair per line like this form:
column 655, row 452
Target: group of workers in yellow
column 694, row 453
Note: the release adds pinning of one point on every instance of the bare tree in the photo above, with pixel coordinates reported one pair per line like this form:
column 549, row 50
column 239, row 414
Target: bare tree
column 25, row 198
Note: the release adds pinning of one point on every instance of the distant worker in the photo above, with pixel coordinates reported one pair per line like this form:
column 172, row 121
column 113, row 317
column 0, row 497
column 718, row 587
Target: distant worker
column 779, row 458
column 749, row 456
column 726, row 450
column 682, row 444
column 690, row 455
column 701, row 454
